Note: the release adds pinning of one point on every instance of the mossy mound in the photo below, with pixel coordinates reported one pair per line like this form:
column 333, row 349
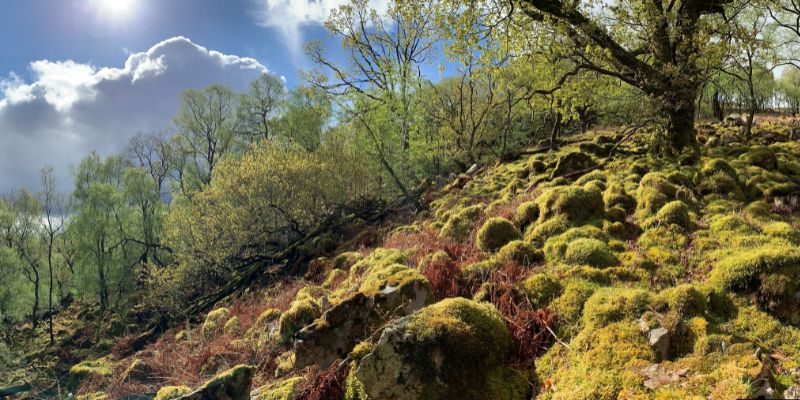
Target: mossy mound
column 456, row 348
column 541, row 289
column 760, row 156
column 233, row 384
column 520, row 252
column 609, row 305
column 496, row 233
column 572, row 162
column 284, row 389
column 302, row 311
column 526, row 213
column 215, row 321
column 99, row 368
column 587, row 251
column 675, row 212
column 172, row 392
column 576, row 204
column 718, row 177
column 459, row 225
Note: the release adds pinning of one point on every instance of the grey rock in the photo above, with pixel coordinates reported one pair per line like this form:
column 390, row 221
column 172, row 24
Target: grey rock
column 659, row 339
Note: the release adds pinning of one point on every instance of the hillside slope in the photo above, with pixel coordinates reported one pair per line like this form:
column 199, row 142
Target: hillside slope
column 560, row 275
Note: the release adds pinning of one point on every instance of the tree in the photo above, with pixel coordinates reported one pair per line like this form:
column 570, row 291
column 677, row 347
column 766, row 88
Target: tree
column 152, row 152
column 261, row 106
column 207, row 127
column 652, row 45
column 384, row 52
column 25, row 240
column 52, row 221
column 305, row 115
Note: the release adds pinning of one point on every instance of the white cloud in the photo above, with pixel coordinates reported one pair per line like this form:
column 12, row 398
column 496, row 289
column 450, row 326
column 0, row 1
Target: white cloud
column 70, row 109
column 288, row 16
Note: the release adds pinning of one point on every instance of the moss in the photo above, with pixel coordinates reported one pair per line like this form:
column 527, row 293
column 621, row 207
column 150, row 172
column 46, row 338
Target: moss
column 569, row 306
column 346, row 260
column 229, row 382
column 460, row 224
column 588, row 251
column 760, row 156
column 609, row 305
column 432, row 259
column 378, row 259
column 718, row 177
column 541, row 289
column 335, row 276
column 552, row 227
column 675, row 212
column 233, row 326
column 615, row 195
column 616, row 214
column 571, row 162
column 496, row 233
column 668, row 237
column 556, row 247
column 520, row 252
column 172, row 392
column 281, row 390
column 739, row 271
column 215, row 321
column 182, row 335
column 732, row 223
column 526, row 213
column 600, row 364
column 267, row 316
column 395, row 275
column 98, row 368
column 285, row 363
column 780, row 229
column 685, row 300
column 93, row 396
column 576, row 204
column 301, row 312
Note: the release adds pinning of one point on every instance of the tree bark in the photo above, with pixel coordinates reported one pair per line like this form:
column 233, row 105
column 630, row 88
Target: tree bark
column 678, row 111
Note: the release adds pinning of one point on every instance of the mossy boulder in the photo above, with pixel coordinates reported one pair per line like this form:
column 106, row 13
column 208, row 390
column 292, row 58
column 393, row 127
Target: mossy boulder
column 284, row 389
column 572, row 162
column 346, row 260
column 577, row 204
column 392, row 292
column 137, row 371
column 685, row 300
column 743, row 270
column 233, row 326
column 99, row 368
column 720, row 178
column 459, row 225
column 526, row 213
column 761, row 156
column 541, row 289
column 456, row 348
column 520, row 252
column 609, row 305
column 233, row 384
column 496, row 233
column 587, row 251
column 302, row 311
column 172, row 392
column 215, row 321
column 675, row 212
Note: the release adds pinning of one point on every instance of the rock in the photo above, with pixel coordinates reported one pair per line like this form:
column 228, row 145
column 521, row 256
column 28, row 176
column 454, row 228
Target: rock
column 472, row 169
column 280, row 390
column 138, row 371
column 172, row 392
column 734, row 120
column 233, row 384
column 658, row 376
column 399, row 292
column 659, row 340
column 793, row 392
column 571, row 162
column 454, row 349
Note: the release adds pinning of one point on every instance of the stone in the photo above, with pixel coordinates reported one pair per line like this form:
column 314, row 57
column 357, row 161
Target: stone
column 344, row 325
column 659, row 340
column 793, row 392
column 233, row 384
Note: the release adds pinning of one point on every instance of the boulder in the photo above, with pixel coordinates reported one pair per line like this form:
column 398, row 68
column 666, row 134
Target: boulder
column 571, row 162
column 397, row 292
column 659, row 340
column 233, row 384
column 454, row 349
column 734, row 120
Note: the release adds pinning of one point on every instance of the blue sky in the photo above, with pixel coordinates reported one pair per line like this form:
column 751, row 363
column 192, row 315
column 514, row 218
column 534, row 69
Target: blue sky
column 78, row 76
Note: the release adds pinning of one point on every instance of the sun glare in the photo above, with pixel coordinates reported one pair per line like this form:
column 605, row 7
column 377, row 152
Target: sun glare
column 115, row 9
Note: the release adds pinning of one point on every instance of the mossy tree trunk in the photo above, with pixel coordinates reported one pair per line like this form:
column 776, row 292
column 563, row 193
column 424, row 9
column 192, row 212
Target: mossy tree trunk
column 676, row 112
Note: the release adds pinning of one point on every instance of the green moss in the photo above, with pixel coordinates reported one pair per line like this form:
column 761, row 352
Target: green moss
column 526, row 213
column 281, row 390
column 98, row 368
column 600, row 364
column 520, row 252
column 541, row 289
column 460, row 224
column 719, row 178
column 609, row 305
column 740, row 270
column 496, row 233
column 760, row 156
column 685, row 300
column 669, row 237
column 576, row 204
column 732, row 223
column 346, row 260
column 233, row 326
column 335, row 276
column 539, row 233
column 569, row 306
column 215, row 321
column 301, row 312
column 228, row 382
column 571, row 162
column 378, row 259
column 555, row 248
column 267, row 316
column 591, row 252
column 675, row 212
column 438, row 257
column 780, row 229
column 172, row 392
column 395, row 275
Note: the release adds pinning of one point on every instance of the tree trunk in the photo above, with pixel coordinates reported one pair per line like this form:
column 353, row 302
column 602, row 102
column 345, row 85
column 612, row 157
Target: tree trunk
column 677, row 110
column 717, row 106
column 35, row 311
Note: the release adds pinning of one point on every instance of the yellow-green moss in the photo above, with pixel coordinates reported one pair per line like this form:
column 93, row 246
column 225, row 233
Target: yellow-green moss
column 301, row 312
column 233, row 326
column 93, row 396
column 520, row 252
column 685, row 300
column 675, row 212
column 576, row 204
column 609, row 305
column 526, row 213
column 496, row 233
column 172, row 392
column 281, row 390
column 346, row 260
column 587, row 251
column 739, row 270
column 760, row 156
column 395, row 275
column 541, row 289
column 100, row 367
column 459, row 225
column 215, row 320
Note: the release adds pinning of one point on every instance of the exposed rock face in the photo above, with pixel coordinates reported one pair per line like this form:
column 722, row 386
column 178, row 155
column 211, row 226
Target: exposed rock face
column 233, row 384
column 336, row 333
column 660, row 340
column 454, row 349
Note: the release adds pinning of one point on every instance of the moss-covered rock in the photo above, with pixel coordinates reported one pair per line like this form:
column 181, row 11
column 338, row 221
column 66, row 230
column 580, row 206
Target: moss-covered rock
column 587, row 251
column 215, row 321
column 284, row 389
column 761, row 156
column 233, row 384
column 101, row 367
column 172, row 392
column 609, row 305
column 346, row 260
column 496, row 233
column 541, row 289
column 456, row 348
column 718, row 177
column 520, row 252
column 392, row 292
column 576, row 204
column 526, row 213
column 741, row 270
column 675, row 212
column 571, row 162
column 459, row 225
column 233, row 326
column 137, row 371
column 302, row 311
